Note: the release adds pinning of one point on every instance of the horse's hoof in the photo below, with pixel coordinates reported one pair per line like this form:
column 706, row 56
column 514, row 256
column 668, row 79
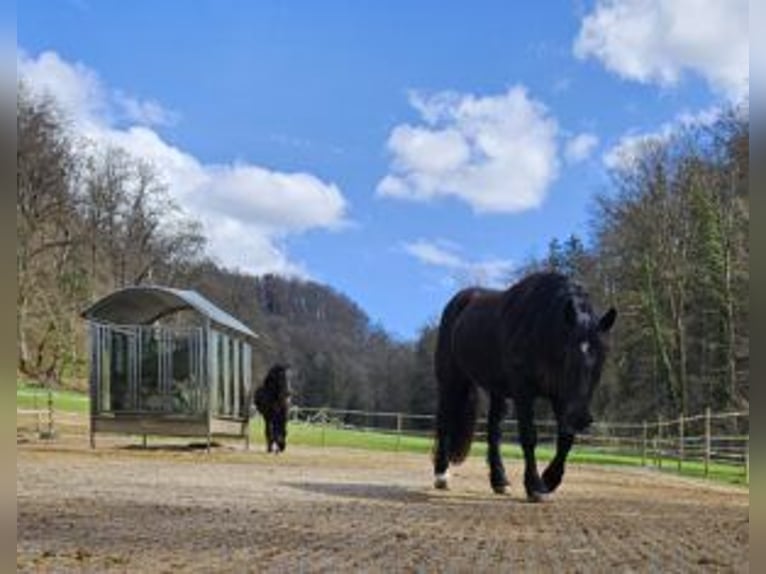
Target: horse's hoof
column 552, row 480
column 440, row 482
column 538, row 497
column 501, row 489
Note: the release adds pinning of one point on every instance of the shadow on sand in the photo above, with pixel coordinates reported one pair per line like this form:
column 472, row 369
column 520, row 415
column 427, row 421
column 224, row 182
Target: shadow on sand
column 188, row 447
column 397, row 493
column 386, row 492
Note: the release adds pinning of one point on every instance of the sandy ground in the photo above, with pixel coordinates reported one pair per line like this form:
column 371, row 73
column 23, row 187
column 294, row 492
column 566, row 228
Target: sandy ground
column 123, row 509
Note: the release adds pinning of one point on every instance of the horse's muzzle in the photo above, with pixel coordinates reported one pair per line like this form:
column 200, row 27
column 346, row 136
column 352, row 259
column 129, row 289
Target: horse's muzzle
column 580, row 422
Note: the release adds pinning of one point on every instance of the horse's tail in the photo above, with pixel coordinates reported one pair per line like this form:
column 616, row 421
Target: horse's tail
column 457, row 396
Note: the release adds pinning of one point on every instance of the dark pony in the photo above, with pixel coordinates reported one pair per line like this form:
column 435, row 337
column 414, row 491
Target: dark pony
column 539, row 338
column 272, row 399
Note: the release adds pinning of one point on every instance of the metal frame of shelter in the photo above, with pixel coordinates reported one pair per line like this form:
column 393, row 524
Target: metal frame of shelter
column 152, row 373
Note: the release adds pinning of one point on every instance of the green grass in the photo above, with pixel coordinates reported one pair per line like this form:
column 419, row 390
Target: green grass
column 315, row 435
column 305, row 434
column 31, row 397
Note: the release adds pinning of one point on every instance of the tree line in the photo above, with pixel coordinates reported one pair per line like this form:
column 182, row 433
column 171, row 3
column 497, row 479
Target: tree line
column 668, row 247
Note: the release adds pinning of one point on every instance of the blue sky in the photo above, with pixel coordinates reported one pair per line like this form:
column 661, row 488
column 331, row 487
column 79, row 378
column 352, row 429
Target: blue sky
column 393, row 150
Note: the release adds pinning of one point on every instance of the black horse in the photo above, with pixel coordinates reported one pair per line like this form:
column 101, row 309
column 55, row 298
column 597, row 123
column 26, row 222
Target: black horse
column 272, row 399
column 539, row 338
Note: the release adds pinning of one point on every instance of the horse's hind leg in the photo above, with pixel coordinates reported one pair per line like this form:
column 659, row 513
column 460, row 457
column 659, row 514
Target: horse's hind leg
column 497, row 411
column 268, row 434
column 447, row 420
column 280, row 426
column 441, row 454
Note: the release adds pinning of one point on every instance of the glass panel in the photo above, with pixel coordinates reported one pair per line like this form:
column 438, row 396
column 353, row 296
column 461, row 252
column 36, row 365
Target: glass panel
column 149, row 369
column 150, row 398
column 118, row 394
column 234, row 380
column 104, row 342
column 223, row 376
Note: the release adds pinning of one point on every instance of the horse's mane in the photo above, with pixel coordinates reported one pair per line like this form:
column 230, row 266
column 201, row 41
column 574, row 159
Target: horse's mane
column 535, row 314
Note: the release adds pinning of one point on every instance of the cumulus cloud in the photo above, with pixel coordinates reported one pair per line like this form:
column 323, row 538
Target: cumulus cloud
column 146, row 112
column 248, row 211
column 448, row 256
column 580, row 147
column 623, row 155
column 658, row 41
column 495, row 153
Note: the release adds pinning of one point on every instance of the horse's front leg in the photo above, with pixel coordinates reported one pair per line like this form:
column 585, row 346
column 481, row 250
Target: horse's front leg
column 268, row 433
column 554, row 472
column 535, row 487
column 497, row 477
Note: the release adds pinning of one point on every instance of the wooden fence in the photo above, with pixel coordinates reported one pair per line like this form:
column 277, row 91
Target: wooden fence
column 698, row 441
column 702, row 441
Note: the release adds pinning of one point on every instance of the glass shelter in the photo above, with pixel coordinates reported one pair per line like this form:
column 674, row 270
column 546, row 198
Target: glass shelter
column 168, row 362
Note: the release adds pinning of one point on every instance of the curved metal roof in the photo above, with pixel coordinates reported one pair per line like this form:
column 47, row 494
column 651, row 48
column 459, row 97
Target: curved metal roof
column 144, row 304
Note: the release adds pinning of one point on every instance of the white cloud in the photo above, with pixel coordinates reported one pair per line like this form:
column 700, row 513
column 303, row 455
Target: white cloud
column 144, row 112
column 247, row 211
column 447, row 256
column 657, row 41
column 496, row 153
column 434, row 253
column 273, row 200
column 76, row 88
column 630, row 146
column 580, row 147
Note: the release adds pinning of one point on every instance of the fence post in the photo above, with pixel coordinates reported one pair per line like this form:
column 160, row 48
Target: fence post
column 37, row 414
column 49, row 434
column 643, row 446
column 747, row 460
column 398, row 430
column 707, row 440
column 680, row 441
column 659, row 441
column 324, row 426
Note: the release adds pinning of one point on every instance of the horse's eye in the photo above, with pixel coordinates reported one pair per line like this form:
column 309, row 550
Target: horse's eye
column 585, row 347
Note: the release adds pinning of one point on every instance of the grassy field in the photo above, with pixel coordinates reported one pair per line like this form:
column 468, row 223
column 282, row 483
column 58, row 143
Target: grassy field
column 30, row 397
column 314, row 435
column 305, row 434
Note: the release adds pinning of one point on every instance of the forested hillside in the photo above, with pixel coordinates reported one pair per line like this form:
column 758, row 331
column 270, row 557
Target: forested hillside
column 668, row 248
column 93, row 220
column 670, row 252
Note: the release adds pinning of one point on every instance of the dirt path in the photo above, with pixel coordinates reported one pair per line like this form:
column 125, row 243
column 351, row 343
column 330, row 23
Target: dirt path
column 331, row 510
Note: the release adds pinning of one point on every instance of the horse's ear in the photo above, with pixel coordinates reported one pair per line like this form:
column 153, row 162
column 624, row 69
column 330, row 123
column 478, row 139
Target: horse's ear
column 570, row 313
column 607, row 320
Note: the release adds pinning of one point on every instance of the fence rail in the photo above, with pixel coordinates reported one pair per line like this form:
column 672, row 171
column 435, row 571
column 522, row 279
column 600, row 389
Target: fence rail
column 698, row 441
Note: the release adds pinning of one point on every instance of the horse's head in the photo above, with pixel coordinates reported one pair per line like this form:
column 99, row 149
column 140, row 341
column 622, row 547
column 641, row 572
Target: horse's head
column 277, row 382
column 283, row 383
column 584, row 355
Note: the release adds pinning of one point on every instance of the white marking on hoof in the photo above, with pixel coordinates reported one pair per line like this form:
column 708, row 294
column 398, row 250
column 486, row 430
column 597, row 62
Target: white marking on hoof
column 502, row 489
column 441, row 481
column 539, row 497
